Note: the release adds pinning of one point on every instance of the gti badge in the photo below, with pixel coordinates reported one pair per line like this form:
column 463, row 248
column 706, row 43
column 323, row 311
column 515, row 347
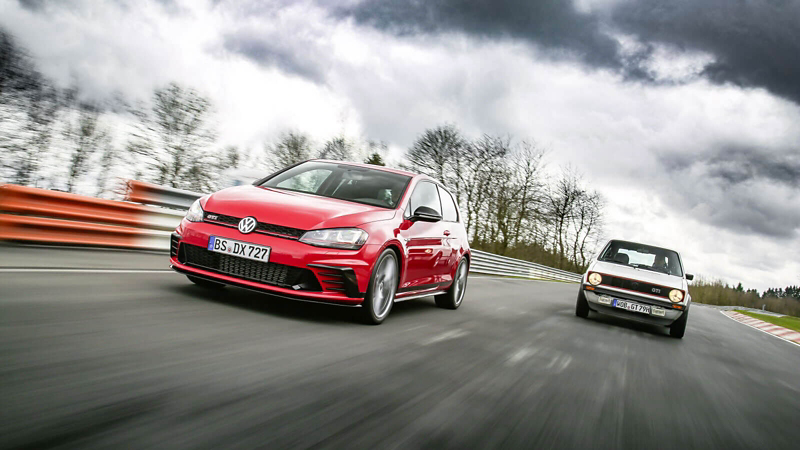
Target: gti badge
column 656, row 290
column 247, row 225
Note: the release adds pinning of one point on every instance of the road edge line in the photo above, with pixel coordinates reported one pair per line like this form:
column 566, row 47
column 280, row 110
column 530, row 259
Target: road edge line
column 759, row 329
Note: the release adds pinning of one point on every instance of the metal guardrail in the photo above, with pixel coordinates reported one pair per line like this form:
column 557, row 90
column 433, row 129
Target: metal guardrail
column 482, row 262
column 153, row 194
column 40, row 215
column 490, row 264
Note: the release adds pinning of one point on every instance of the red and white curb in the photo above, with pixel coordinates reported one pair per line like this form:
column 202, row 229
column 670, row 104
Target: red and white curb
column 769, row 328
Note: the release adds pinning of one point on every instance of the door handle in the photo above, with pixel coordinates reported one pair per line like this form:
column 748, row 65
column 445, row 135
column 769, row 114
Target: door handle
column 447, row 232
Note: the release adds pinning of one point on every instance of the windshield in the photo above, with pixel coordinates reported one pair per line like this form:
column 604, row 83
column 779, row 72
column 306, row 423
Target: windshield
column 643, row 257
column 344, row 182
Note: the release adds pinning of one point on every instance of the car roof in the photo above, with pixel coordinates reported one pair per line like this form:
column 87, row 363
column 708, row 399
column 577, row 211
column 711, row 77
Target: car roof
column 369, row 166
column 640, row 243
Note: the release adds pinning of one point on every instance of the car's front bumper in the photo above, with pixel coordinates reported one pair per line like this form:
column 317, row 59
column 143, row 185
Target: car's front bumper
column 670, row 313
column 330, row 275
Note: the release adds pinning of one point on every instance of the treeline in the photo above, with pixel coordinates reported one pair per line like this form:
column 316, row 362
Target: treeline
column 715, row 292
column 511, row 206
column 57, row 139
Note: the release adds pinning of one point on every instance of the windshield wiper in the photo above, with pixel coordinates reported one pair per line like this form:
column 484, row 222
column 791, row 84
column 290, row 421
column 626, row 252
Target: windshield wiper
column 646, row 267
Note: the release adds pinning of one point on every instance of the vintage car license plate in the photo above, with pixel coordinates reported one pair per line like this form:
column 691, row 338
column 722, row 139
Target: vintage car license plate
column 631, row 306
column 238, row 248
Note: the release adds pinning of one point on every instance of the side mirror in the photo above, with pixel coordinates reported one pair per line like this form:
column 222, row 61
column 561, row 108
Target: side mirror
column 425, row 214
column 689, row 277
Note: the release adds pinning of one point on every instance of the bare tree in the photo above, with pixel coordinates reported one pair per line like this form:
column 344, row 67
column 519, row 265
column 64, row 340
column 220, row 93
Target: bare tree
column 482, row 173
column 28, row 108
column 437, row 153
column 231, row 157
column 108, row 160
column 292, row 147
column 85, row 136
column 175, row 137
column 338, row 148
column 575, row 217
column 517, row 196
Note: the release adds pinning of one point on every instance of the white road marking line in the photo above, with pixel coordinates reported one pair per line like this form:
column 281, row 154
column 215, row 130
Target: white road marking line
column 730, row 316
column 48, row 270
column 560, row 363
column 519, row 355
column 447, row 335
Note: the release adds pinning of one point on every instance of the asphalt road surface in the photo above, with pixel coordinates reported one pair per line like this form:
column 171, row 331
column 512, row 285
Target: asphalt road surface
column 134, row 357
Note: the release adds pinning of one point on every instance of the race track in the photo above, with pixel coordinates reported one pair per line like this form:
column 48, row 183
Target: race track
column 137, row 356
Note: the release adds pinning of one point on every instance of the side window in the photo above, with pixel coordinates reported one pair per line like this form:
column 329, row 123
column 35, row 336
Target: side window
column 449, row 211
column 425, row 194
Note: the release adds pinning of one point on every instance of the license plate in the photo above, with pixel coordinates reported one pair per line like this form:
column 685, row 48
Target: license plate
column 631, row 306
column 238, row 248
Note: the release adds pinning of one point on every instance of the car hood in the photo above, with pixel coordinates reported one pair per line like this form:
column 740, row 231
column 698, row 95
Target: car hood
column 647, row 276
column 293, row 209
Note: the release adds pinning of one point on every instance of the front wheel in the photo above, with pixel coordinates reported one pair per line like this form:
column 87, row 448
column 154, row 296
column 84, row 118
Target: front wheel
column 582, row 305
column 453, row 297
column 382, row 286
column 678, row 328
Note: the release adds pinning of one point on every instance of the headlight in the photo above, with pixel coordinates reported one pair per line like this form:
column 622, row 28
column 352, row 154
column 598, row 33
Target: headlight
column 595, row 278
column 675, row 295
column 346, row 238
column 195, row 213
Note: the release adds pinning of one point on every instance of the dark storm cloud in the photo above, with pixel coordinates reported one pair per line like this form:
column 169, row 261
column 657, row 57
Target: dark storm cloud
column 735, row 165
column 267, row 51
column 33, row 5
column 554, row 24
column 755, row 43
column 741, row 189
column 39, row 5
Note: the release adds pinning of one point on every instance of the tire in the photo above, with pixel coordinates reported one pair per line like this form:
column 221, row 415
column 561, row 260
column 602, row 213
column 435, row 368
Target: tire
column 202, row 282
column 455, row 295
column 678, row 328
column 582, row 305
column 379, row 298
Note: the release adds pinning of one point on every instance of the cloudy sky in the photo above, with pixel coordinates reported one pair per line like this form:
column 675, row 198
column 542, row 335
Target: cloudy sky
column 685, row 114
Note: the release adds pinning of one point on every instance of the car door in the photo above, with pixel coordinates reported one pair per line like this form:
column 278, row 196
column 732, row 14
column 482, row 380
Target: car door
column 451, row 243
column 424, row 241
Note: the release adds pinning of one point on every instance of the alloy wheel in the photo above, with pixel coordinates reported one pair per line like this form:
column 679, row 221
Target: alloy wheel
column 384, row 287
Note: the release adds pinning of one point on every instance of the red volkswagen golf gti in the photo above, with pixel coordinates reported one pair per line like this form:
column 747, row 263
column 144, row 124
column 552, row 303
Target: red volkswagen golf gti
column 326, row 231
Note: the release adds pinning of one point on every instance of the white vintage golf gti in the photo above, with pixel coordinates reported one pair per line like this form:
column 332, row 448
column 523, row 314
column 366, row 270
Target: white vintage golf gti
column 637, row 282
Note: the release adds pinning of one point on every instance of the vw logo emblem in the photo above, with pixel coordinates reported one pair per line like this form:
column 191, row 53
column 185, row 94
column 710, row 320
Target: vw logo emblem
column 247, row 225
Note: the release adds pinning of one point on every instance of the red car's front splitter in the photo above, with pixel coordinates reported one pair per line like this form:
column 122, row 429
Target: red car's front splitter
column 317, row 297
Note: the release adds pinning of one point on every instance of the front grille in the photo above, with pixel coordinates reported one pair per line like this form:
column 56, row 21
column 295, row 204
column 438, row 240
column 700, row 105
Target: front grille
column 262, row 227
column 222, row 218
column 269, row 228
column 638, row 286
column 247, row 269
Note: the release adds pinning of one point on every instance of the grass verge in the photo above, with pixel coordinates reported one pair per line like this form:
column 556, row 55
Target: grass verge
column 792, row 323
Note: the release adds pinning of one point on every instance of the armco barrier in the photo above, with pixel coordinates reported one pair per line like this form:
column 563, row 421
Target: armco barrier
column 153, row 194
column 491, row 264
column 58, row 231
column 38, row 215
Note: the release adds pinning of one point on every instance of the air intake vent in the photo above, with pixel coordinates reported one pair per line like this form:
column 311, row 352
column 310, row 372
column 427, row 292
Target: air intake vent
column 269, row 273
